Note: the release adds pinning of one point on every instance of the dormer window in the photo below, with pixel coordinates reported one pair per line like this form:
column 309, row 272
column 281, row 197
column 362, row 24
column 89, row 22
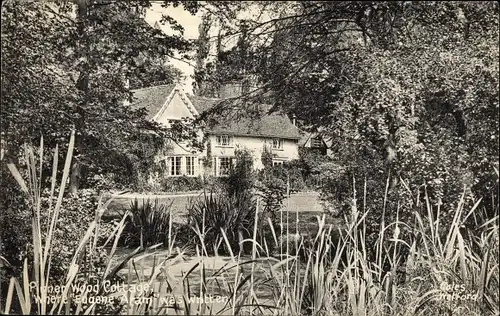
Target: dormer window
column 224, row 140
column 277, row 144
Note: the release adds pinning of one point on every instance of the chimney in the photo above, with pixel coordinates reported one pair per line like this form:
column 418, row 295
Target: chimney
column 231, row 90
column 293, row 120
column 237, row 88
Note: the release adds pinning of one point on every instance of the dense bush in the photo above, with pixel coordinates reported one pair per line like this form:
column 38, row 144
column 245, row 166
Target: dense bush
column 272, row 192
column 241, row 177
column 229, row 207
column 274, row 182
column 148, row 182
column 217, row 213
column 75, row 215
column 148, row 223
column 15, row 222
column 181, row 184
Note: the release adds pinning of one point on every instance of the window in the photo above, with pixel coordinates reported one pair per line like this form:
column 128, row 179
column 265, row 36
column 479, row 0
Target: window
column 174, row 165
column 277, row 143
column 223, row 140
column 190, row 166
column 317, row 142
column 225, row 164
column 277, row 163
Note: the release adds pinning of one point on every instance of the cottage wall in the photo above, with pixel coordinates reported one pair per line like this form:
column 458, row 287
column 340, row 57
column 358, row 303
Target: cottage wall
column 256, row 146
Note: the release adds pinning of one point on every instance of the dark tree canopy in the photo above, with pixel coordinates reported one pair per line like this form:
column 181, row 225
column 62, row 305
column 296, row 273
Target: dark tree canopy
column 64, row 66
column 403, row 88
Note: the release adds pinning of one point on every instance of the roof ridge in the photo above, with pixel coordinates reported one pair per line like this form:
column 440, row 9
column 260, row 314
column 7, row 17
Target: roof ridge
column 156, row 86
column 206, row 98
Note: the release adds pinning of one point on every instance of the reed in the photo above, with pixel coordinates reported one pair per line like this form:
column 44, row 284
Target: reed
column 323, row 276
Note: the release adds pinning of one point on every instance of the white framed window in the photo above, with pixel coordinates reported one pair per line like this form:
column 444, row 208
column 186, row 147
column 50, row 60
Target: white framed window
column 190, row 166
column 317, row 142
column 174, row 166
column 277, row 143
column 277, row 163
column 224, row 140
column 225, row 165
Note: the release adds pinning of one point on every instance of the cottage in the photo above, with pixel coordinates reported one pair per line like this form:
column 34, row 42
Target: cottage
column 274, row 133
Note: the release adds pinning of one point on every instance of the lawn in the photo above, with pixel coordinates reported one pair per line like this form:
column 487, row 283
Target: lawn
column 301, row 202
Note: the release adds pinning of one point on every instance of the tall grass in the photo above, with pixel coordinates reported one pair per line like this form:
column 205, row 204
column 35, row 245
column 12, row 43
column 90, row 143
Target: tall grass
column 32, row 292
column 148, row 223
column 337, row 276
column 215, row 213
column 348, row 283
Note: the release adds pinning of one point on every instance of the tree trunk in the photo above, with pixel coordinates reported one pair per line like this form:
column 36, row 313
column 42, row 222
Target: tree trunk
column 82, row 85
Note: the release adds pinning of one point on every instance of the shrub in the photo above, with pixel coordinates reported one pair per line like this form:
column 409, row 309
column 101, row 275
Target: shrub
column 228, row 209
column 272, row 191
column 61, row 250
column 148, row 223
column 75, row 214
column 184, row 183
column 273, row 185
column 148, row 182
column 288, row 172
column 219, row 214
column 15, row 223
column 241, row 178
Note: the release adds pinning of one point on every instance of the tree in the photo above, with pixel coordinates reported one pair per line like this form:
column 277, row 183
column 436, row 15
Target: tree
column 72, row 75
column 407, row 90
column 158, row 72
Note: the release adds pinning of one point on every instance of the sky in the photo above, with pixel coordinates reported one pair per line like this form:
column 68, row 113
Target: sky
column 190, row 24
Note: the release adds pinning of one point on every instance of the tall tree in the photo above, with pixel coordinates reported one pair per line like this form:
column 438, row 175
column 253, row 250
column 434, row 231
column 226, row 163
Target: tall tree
column 76, row 56
column 408, row 89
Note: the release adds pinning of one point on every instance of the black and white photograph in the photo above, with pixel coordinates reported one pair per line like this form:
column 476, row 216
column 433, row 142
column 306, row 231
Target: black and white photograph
column 321, row 158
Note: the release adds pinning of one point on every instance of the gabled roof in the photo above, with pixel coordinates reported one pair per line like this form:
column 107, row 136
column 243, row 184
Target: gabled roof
column 156, row 99
column 152, row 98
column 268, row 125
column 203, row 104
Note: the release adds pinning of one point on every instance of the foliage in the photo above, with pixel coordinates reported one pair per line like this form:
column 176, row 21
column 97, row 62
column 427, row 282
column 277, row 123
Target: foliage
column 338, row 276
column 75, row 58
column 272, row 191
column 148, row 223
column 312, row 164
column 228, row 210
column 241, row 177
column 75, row 215
column 15, row 235
column 212, row 70
column 408, row 92
column 78, row 257
column 222, row 219
column 267, row 157
column 405, row 91
column 158, row 72
column 182, row 184
column 148, row 182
